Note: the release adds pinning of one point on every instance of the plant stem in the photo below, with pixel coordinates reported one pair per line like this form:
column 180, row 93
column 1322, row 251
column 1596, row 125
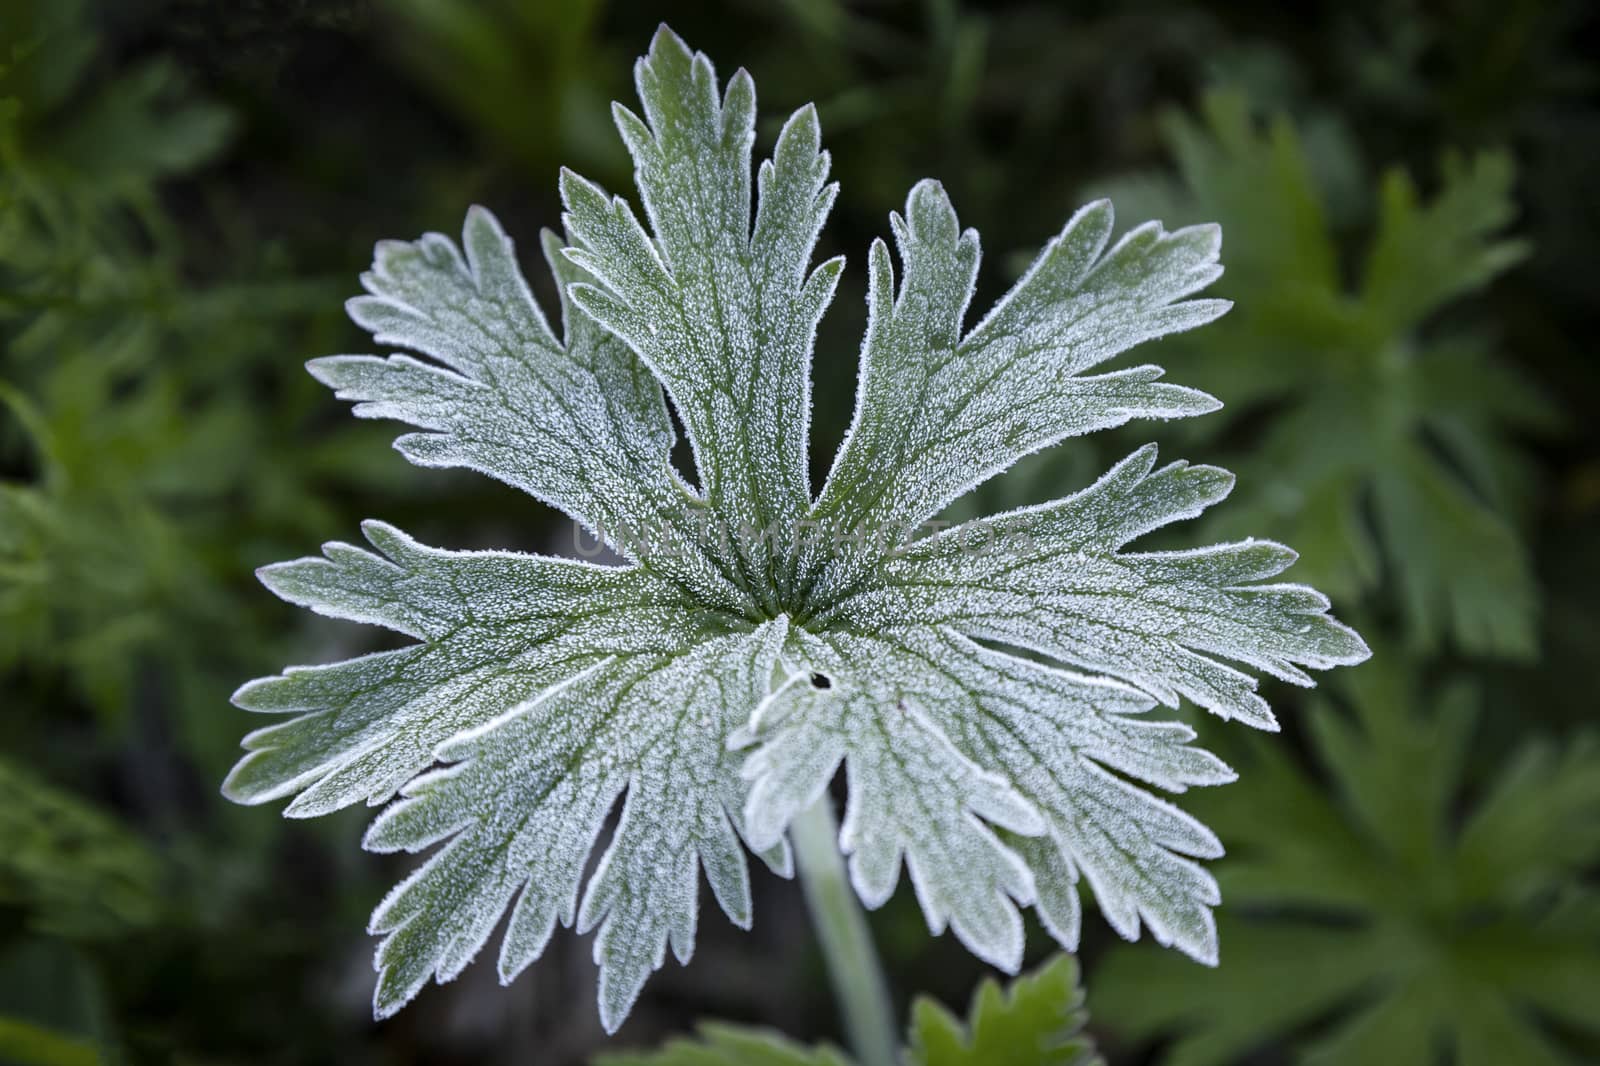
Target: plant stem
column 841, row 927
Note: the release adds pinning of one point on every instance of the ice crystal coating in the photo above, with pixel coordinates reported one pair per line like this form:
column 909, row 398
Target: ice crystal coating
column 985, row 689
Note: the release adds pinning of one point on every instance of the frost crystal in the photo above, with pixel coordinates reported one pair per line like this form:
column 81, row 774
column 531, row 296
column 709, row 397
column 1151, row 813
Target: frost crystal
column 985, row 688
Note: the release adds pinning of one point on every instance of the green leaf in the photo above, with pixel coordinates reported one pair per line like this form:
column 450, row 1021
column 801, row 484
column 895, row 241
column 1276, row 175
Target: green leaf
column 1037, row 1021
column 25, row 1044
column 131, row 414
column 1386, row 449
column 1425, row 257
column 987, row 707
column 1373, row 924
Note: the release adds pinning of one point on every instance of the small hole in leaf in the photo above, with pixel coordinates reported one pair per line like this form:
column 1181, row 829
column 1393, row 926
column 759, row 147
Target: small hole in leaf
column 682, row 454
column 821, row 681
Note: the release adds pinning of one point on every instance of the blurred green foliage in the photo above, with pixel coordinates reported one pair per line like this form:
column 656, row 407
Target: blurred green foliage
column 479, row 57
column 53, row 1010
column 75, row 871
column 1373, row 907
column 1384, row 443
column 137, row 412
column 33, row 1045
column 188, row 189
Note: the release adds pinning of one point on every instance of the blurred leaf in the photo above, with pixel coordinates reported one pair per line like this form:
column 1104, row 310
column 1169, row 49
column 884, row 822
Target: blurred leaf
column 1387, row 455
column 141, row 127
column 479, row 57
column 25, row 1044
column 75, row 871
column 131, row 434
column 1377, row 917
column 44, row 50
column 52, row 1006
column 66, row 135
column 1424, row 257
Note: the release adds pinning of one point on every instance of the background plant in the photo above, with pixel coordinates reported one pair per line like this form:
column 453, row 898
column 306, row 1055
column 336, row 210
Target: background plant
column 1381, row 917
column 1391, row 437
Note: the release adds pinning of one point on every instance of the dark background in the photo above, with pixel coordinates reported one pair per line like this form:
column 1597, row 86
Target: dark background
column 189, row 190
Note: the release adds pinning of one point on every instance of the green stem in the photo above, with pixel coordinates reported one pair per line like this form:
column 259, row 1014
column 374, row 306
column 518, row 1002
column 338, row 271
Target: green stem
column 841, row 926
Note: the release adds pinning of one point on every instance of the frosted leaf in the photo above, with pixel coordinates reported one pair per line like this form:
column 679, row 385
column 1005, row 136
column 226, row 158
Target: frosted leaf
column 1051, row 579
column 985, row 690
column 580, row 425
column 722, row 310
column 493, row 629
column 913, row 794
column 936, row 726
column 528, row 796
column 939, row 411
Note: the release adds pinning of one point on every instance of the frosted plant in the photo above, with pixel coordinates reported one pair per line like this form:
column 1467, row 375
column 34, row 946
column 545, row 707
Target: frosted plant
column 987, row 700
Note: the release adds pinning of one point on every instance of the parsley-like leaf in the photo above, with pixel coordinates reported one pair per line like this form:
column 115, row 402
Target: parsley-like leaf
column 1377, row 914
column 988, row 705
column 1387, row 455
column 1037, row 1020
